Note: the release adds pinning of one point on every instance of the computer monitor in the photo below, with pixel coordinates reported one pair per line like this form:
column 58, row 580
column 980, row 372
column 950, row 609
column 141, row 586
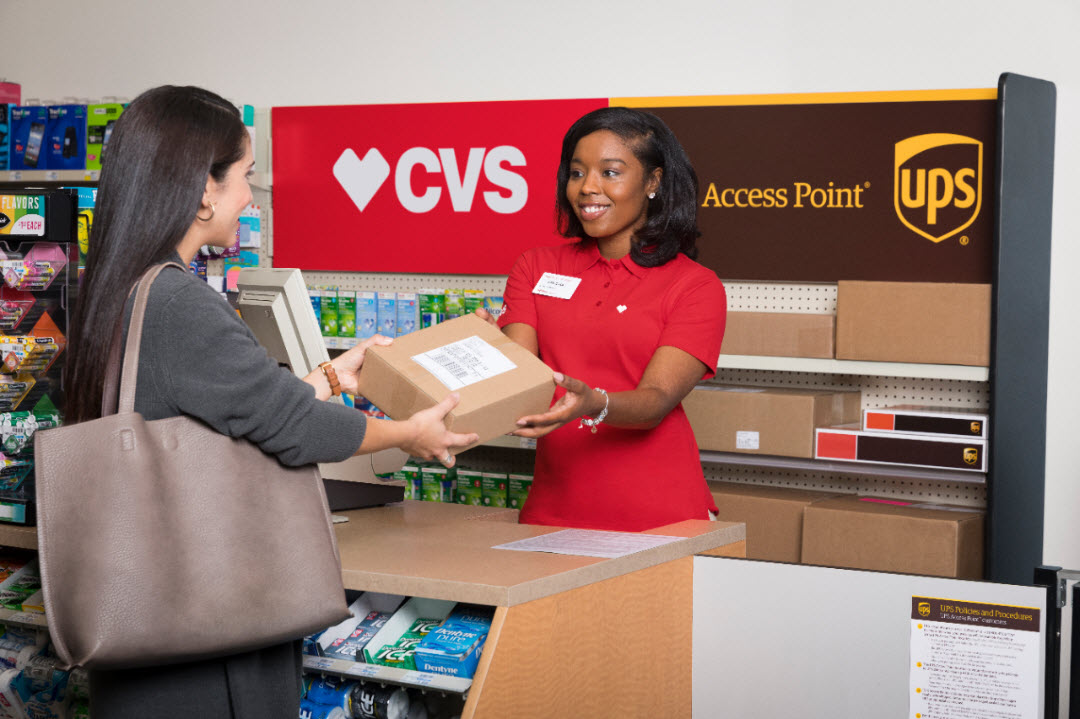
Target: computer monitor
column 274, row 303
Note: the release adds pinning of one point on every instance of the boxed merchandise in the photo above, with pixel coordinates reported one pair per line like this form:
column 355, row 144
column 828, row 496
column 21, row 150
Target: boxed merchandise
column 399, row 625
column 10, row 92
column 472, row 301
column 346, row 313
column 28, row 126
column 455, row 304
column 942, row 421
column 850, row 444
column 517, row 489
column 773, row 516
column 469, row 488
column 367, row 315
column 494, row 489
column 386, row 314
column 926, row 322
column 432, row 304
column 437, row 483
column 408, row 313
column 779, row 334
column 453, row 648
column 410, row 475
column 370, row 611
column 100, row 119
column 498, row 380
column 328, row 313
column 494, row 305
column 66, row 137
column 894, row 536
column 20, row 585
column 771, row 420
column 5, row 135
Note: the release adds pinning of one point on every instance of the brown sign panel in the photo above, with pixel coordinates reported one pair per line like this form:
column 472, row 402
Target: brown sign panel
column 827, row 191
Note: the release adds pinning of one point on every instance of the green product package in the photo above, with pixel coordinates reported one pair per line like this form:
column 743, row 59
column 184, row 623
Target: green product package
column 518, row 489
column 473, row 300
column 346, row 309
column 469, row 489
column 410, row 474
column 432, row 304
column 455, row 304
column 437, row 484
column 494, row 489
column 329, row 312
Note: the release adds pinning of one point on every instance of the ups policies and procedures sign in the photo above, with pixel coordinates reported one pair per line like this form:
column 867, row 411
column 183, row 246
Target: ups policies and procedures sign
column 797, row 188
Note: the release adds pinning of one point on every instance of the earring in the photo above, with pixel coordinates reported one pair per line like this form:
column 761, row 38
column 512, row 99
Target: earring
column 206, row 219
column 652, row 195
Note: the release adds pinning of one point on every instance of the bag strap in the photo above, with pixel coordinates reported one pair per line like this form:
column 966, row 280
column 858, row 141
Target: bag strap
column 123, row 398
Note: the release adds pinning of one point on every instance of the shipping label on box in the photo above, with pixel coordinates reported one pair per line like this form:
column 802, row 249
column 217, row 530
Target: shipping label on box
column 849, row 444
column 498, row 380
column 939, row 421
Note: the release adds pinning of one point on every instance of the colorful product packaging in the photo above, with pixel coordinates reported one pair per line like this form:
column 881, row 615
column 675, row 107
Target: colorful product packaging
column 408, row 313
column 518, row 486
column 469, row 487
column 66, row 137
column 5, row 135
column 455, row 304
column 494, row 489
column 437, row 483
column 410, row 474
column 386, row 313
column 432, row 305
column 494, row 305
column 472, row 300
column 328, row 316
column 367, row 317
column 100, row 120
column 29, row 125
column 346, row 313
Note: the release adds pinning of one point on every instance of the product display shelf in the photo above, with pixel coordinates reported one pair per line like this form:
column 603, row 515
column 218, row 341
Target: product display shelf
column 827, row 466
column 362, row 671
column 12, row 535
column 571, row 635
column 855, row 367
column 32, row 619
column 30, row 177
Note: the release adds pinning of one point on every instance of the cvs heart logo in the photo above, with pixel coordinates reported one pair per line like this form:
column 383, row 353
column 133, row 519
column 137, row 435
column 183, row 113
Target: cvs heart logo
column 361, row 179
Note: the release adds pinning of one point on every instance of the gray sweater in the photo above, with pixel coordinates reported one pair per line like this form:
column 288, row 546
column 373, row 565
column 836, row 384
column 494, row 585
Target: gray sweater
column 199, row 358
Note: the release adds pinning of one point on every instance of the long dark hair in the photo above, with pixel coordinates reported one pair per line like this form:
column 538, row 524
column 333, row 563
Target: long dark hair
column 671, row 225
column 163, row 148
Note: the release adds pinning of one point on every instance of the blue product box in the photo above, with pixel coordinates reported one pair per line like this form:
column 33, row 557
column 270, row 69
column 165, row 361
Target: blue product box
column 451, row 649
column 28, row 130
column 386, row 314
column 367, row 315
column 316, row 303
column 66, row 137
column 5, row 135
column 408, row 313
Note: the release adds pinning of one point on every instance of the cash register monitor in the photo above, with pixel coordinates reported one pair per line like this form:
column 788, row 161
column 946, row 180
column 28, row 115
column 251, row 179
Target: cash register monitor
column 274, row 303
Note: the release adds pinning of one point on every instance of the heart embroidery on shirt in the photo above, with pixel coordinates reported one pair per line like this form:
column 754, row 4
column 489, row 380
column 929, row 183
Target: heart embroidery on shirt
column 621, row 309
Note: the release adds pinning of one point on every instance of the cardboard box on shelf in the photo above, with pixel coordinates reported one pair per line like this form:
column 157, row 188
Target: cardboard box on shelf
column 773, row 516
column 921, row 322
column 850, row 444
column 937, row 421
column 760, row 420
column 894, row 536
column 780, row 334
column 499, row 381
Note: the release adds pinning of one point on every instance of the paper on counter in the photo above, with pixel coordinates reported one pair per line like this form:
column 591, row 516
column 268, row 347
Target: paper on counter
column 590, row 543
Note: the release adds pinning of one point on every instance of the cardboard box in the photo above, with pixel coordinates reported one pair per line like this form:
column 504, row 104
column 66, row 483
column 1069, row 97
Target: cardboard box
column 937, row 421
column 770, row 420
column 773, row 516
column 894, row 536
column 923, row 322
column 850, row 444
column 779, row 334
column 499, row 381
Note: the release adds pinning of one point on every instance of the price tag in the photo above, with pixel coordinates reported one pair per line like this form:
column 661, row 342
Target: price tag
column 52, row 175
column 419, row 678
column 318, row 663
column 15, row 176
column 24, row 617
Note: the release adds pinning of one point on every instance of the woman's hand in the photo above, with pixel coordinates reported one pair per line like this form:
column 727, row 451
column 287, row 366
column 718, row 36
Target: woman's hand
column 486, row 316
column 429, row 438
column 347, row 364
column 579, row 400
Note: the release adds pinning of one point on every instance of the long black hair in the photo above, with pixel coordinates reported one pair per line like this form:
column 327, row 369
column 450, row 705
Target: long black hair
column 671, row 224
column 163, row 148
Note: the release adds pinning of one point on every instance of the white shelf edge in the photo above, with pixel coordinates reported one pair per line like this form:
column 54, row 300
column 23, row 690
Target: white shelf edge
column 855, row 367
column 33, row 619
column 391, row 675
column 839, row 467
column 50, row 175
column 511, row 442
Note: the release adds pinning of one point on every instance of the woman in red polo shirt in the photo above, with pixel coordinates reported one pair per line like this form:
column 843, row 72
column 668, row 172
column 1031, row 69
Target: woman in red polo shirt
column 629, row 321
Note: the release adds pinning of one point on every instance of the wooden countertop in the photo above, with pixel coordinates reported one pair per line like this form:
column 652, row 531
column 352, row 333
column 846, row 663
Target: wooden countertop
column 444, row 551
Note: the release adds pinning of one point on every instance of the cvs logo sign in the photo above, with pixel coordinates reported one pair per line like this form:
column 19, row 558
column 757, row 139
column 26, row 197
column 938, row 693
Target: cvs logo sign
column 938, row 183
column 421, row 174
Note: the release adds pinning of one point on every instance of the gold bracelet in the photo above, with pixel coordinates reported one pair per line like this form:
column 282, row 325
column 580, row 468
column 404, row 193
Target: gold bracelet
column 331, row 377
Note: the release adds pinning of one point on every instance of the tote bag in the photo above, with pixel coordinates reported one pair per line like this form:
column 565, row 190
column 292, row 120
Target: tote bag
column 166, row 541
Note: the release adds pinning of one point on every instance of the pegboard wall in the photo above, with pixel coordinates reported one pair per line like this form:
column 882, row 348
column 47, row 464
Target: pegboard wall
column 816, row 298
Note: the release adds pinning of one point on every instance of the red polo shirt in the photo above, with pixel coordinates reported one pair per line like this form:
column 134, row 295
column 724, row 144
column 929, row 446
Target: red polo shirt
column 605, row 335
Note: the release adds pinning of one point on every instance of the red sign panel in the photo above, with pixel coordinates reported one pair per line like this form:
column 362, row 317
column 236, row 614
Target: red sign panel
column 449, row 188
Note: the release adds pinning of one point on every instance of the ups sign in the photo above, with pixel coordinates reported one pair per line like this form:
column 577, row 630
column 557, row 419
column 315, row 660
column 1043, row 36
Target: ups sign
column 938, row 184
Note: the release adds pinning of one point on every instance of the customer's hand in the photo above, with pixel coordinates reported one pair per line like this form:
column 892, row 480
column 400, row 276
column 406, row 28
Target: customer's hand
column 486, row 316
column 347, row 364
column 578, row 401
column 430, row 438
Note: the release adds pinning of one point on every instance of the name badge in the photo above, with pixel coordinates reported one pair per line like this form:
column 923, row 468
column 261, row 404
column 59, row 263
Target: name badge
column 553, row 285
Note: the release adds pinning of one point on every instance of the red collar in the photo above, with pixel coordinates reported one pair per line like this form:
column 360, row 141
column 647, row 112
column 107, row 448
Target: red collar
column 589, row 255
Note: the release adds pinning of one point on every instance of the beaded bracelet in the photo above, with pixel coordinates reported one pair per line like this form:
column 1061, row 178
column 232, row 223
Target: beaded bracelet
column 591, row 423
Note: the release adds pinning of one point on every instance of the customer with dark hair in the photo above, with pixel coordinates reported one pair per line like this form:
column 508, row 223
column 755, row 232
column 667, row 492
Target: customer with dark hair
column 175, row 180
column 629, row 322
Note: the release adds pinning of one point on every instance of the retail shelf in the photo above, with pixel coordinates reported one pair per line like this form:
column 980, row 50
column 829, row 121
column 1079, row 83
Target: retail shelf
column 12, row 535
column 340, row 343
column 512, row 442
column 836, row 467
column 388, row 675
column 32, row 619
column 855, row 367
column 32, row 176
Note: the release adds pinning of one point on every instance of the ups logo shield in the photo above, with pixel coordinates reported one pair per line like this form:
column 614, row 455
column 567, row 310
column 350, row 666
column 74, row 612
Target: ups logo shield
column 938, row 183
column 971, row 455
column 976, row 427
column 924, row 609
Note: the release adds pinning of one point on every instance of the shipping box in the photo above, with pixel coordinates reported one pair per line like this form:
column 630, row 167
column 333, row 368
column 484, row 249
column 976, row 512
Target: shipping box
column 773, row 516
column 939, row 421
column 779, row 334
column 922, row 322
column 499, row 380
column 894, row 536
column 769, row 420
column 848, row 443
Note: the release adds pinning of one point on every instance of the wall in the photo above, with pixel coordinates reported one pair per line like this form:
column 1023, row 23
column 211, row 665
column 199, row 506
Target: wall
column 348, row 51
